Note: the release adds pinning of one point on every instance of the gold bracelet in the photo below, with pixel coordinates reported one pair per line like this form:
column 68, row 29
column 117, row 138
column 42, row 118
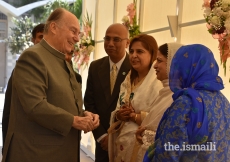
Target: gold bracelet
column 135, row 119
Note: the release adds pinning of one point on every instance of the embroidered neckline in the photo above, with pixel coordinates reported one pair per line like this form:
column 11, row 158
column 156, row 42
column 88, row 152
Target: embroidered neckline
column 137, row 85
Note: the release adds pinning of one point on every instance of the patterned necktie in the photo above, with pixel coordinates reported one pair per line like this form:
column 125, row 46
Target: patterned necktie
column 113, row 77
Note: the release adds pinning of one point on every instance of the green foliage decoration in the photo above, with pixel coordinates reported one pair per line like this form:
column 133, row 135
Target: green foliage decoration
column 20, row 39
column 75, row 8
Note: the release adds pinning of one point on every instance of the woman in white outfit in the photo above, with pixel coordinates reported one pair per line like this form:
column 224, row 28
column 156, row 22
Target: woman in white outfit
column 146, row 132
column 137, row 93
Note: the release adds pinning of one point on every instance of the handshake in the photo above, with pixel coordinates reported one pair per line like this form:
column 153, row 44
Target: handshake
column 86, row 123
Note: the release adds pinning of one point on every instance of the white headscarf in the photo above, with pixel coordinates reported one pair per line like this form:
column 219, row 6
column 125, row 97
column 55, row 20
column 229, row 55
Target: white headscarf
column 158, row 107
column 162, row 102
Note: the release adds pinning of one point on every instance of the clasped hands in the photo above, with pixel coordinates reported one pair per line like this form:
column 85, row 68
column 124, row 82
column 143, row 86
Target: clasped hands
column 86, row 123
column 125, row 113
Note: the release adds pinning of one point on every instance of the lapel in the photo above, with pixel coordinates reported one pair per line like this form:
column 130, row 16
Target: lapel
column 125, row 67
column 104, row 77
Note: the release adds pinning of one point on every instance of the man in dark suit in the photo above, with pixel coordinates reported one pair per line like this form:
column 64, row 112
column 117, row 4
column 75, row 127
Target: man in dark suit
column 99, row 97
column 37, row 35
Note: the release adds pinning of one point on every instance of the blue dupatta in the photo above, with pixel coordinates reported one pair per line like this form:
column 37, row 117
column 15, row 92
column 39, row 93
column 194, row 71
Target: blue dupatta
column 193, row 68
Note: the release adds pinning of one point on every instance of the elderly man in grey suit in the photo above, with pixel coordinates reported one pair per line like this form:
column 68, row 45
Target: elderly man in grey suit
column 46, row 116
column 103, row 86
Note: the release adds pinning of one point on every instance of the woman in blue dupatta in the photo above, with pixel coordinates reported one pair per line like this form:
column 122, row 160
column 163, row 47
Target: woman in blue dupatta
column 196, row 127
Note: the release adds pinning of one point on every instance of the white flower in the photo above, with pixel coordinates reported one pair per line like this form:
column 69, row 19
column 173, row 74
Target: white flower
column 83, row 37
column 207, row 11
column 88, row 41
column 225, row 4
column 83, row 41
column 226, row 14
column 25, row 46
column 90, row 48
column 226, row 1
column 218, row 11
column 215, row 20
column 125, row 19
column 30, row 43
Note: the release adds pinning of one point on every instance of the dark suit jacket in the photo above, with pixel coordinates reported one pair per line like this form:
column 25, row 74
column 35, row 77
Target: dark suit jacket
column 78, row 77
column 98, row 98
column 6, row 110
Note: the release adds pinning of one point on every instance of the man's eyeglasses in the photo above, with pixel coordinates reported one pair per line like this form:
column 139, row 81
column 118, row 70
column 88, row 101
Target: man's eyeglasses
column 114, row 39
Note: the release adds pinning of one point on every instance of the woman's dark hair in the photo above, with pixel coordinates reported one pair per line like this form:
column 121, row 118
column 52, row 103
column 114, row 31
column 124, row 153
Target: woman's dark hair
column 150, row 44
column 164, row 50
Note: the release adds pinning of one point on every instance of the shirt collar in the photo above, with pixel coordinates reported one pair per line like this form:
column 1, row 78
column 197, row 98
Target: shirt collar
column 118, row 64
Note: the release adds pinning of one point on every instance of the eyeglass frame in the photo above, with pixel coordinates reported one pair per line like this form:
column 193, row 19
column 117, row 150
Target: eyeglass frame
column 113, row 38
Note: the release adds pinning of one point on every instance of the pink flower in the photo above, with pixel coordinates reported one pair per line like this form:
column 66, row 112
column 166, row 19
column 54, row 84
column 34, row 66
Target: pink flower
column 216, row 36
column 219, row 36
column 130, row 7
column 76, row 53
column 84, row 52
column 86, row 59
column 79, row 66
column 131, row 16
column 85, row 45
column 87, row 29
column 206, row 3
column 224, row 49
column 208, row 26
column 81, row 35
column 80, row 61
column 131, row 12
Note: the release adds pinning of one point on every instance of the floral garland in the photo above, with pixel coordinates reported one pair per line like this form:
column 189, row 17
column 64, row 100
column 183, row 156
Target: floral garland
column 130, row 20
column 217, row 16
column 84, row 47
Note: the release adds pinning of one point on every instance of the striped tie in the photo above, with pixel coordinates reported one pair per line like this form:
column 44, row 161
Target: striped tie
column 113, row 77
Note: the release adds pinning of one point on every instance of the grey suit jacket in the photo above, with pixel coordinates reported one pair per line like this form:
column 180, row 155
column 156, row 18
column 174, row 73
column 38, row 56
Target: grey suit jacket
column 45, row 97
column 98, row 98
